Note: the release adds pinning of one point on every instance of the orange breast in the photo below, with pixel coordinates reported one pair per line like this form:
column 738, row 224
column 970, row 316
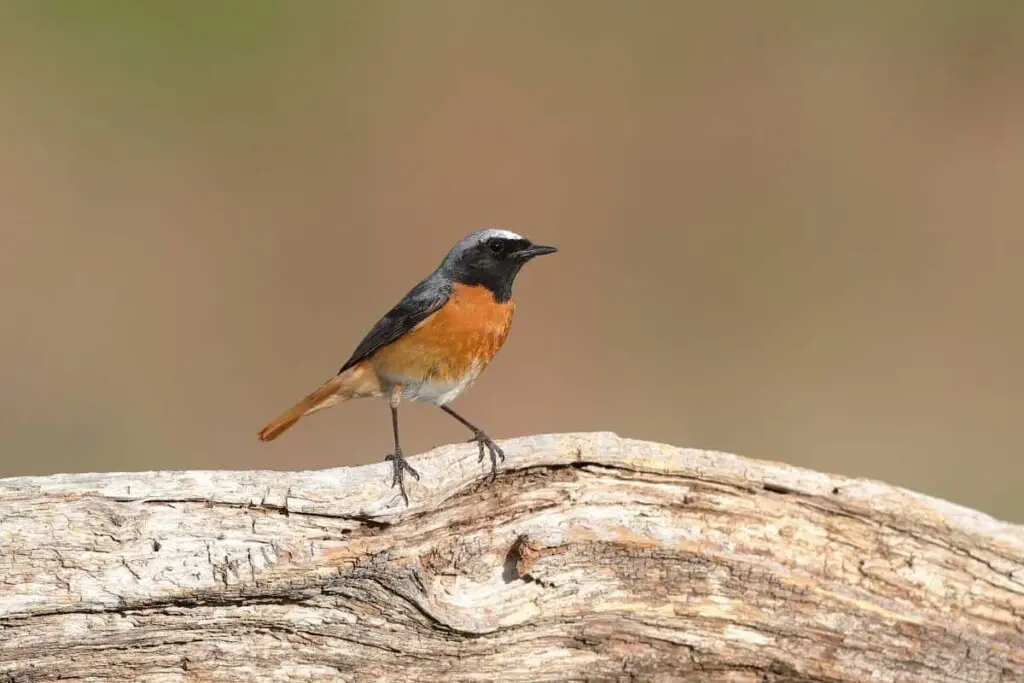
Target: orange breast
column 460, row 338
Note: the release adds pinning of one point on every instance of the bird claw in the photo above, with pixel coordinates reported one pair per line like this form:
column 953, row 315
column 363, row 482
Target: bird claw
column 399, row 466
column 484, row 441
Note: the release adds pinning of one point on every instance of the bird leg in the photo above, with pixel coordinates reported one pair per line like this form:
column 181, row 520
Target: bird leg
column 400, row 464
column 481, row 439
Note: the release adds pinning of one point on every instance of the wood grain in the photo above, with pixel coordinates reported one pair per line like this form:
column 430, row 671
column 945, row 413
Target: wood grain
column 590, row 557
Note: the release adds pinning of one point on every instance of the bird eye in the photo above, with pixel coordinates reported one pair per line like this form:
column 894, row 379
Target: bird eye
column 496, row 246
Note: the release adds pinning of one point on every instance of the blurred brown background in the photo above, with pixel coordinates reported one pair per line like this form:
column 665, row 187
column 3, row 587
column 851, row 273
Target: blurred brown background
column 790, row 230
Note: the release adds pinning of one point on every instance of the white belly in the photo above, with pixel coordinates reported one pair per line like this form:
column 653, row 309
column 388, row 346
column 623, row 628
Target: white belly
column 437, row 391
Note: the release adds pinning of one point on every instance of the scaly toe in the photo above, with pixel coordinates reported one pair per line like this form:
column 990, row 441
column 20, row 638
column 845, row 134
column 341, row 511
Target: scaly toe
column 399, row 466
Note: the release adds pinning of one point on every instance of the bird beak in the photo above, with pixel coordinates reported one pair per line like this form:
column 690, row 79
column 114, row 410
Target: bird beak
column 535, row 250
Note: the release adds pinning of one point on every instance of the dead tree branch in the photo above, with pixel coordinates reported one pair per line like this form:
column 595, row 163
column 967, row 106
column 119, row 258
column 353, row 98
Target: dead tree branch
column 590, row 557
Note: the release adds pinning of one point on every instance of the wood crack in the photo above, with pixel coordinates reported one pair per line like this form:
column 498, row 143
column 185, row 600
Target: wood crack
column 590, row 557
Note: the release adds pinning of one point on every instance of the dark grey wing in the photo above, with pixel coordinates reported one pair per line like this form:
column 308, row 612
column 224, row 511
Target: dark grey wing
column 422, row 300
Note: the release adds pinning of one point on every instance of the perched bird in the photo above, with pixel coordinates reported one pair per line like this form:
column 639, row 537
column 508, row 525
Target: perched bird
column 435, row 342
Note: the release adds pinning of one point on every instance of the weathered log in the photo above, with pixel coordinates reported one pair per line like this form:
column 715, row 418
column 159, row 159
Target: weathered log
column 589, row 557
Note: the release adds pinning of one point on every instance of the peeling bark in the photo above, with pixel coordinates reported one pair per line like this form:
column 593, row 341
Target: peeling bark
column 589, row 557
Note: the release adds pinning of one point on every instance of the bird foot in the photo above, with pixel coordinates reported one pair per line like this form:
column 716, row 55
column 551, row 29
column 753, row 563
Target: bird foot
column 400, row 466
column 486, row 442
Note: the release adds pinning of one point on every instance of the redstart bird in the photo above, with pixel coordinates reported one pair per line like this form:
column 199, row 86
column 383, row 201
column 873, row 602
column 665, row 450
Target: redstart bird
column 435, row 342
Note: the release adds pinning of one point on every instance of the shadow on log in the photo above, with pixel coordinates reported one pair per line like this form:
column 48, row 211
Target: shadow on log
column 590, row 557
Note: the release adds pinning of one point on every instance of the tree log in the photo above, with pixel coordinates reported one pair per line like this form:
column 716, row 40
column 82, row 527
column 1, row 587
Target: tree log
column 589, row 557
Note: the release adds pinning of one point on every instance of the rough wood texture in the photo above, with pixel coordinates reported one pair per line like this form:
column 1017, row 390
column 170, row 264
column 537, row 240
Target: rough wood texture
column 590, row 557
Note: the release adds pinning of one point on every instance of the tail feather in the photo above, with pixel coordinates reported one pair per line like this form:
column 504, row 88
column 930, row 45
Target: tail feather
column 324, row 397
column 358, row 381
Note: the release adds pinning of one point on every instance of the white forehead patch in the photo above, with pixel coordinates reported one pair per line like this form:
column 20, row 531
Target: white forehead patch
column 474, row 239
column 503, row 234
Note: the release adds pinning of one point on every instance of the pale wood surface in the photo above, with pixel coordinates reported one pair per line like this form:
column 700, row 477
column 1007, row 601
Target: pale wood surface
column 590, row 557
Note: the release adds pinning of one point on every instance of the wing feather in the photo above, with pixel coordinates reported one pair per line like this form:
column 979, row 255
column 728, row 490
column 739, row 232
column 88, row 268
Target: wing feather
column 422, row 300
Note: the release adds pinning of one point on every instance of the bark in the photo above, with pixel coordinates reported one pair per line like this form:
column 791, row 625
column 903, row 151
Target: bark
column 589, row 557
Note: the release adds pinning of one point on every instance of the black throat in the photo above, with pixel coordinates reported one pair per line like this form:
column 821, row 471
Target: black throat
column 498, row 281
column 482, row 266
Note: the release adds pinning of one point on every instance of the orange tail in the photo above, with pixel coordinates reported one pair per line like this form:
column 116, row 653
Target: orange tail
column 324, row 397
column 353, row 383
